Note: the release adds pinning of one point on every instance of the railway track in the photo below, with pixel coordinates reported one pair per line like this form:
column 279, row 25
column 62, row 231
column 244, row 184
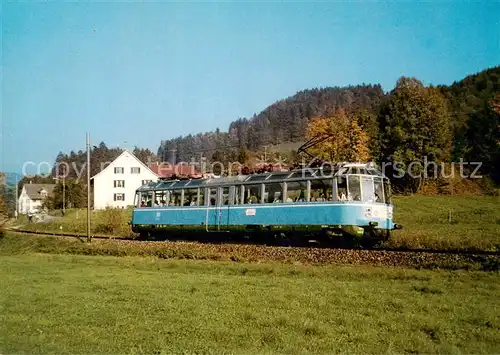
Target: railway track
column 374, row 249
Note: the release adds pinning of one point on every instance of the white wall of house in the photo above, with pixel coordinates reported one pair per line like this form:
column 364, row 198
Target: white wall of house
column 26, row 204
column 116, row 184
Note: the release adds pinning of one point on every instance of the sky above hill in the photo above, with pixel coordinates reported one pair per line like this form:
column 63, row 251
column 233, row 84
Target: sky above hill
column 137, row 73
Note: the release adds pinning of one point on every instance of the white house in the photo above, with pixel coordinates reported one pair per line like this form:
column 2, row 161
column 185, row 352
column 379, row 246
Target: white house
column 32, row 196
column 115, row 185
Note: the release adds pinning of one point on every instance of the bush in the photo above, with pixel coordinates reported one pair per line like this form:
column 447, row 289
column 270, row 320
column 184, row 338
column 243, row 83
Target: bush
column 111, row 221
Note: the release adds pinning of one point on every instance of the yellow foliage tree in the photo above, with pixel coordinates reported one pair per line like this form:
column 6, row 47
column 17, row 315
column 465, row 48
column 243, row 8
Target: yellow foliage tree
column 346, row 142
column 358, row 148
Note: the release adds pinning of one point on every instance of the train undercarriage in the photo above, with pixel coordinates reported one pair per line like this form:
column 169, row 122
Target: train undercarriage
column 324, row 236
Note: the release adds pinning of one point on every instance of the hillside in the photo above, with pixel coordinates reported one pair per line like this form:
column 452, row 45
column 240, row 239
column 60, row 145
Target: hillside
column 466, row 97
column 284, row 121
column 473, row 122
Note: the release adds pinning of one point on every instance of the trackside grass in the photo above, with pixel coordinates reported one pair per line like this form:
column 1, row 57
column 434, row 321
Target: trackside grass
column 435, row 222
column 53, row 304
column 447, row 222
column 17, row 243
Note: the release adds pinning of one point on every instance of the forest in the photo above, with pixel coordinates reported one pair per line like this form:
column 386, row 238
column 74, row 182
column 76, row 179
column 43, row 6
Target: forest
column 443, row 123
column 411, row 123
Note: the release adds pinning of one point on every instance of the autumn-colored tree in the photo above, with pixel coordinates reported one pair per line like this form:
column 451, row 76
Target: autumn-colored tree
column 345, row 140
column 358, row 143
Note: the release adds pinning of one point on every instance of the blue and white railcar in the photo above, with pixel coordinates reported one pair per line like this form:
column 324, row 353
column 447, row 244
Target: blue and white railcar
column 349, row 200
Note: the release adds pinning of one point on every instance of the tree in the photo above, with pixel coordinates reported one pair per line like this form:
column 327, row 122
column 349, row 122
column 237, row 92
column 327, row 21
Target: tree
column 74, row 195
column 346, row 140
column 243, row 156
column 3, row 205
column 483, row 137
column 144, row 155
column 358, row 143
column 414, row 123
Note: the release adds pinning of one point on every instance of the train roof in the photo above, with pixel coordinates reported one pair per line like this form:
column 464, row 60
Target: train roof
column 277, row 177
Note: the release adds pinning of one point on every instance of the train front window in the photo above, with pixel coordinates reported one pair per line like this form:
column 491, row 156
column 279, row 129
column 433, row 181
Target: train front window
column 379, row 190
column 368, row 190
column 353, row 188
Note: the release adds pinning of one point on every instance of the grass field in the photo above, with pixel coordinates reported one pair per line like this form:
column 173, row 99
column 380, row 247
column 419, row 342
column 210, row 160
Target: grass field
column 437, row 222
column 447, row 222
column 81, row 304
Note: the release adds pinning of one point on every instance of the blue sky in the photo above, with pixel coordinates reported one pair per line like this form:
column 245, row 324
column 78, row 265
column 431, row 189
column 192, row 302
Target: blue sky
column 143, row 72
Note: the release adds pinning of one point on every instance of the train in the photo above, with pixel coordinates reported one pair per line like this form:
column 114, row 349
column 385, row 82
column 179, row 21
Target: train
column 348, row 202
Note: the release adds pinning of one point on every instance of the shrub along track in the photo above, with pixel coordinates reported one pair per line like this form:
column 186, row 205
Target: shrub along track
column 122, row 246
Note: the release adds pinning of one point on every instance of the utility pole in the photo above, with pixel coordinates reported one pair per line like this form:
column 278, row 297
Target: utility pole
column 64, row 192
column 89, row 239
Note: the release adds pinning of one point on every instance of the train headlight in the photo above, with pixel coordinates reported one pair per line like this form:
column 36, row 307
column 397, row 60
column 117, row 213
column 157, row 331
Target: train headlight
column 368, row 212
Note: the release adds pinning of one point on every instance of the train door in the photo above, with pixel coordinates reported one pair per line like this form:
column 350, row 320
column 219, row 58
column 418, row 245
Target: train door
column 222, row 208
column 218, row 209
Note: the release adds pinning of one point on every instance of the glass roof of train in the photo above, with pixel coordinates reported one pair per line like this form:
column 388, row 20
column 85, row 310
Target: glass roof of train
column 262, row 178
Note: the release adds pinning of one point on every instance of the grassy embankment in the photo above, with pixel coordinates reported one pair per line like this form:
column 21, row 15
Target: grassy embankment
column 437, row 222
column 80, row 304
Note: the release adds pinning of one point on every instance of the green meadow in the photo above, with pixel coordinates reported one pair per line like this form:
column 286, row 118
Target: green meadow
column 54, row 304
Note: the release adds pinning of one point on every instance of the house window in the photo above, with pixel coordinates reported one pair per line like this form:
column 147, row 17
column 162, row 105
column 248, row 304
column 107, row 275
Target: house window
column 119, row 183
column 119, row 170
column 135, row 170
column 145, row 182
column 119, row 197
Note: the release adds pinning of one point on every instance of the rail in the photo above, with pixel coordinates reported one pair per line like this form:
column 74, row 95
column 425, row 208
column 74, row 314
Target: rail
column 374, row 249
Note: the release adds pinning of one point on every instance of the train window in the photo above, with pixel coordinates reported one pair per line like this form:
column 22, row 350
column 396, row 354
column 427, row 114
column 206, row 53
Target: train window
column 224, row 196
column 174, row 198
column 253, row 194
column 160, row 198
column 353, row 188
column 321, row 190
column 341, row 188
column 379, row 190
column 146, row 199
column 273, row 193
column 190, row 197
column 367, row 188
column 387, row 191
column 211, row 196
column 238, row 195
column 296, row 191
